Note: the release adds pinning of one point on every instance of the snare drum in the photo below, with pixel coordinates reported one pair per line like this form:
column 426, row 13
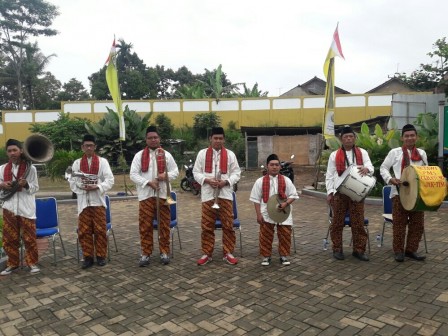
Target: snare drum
column 354, row 185
column 423, row 188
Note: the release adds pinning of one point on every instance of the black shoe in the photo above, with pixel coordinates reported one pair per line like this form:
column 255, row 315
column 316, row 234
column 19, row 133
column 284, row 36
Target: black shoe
column 88, row 262
column 338, row 255
column 101, row 261
column 399, row 257
column 415, row 256
column 360, row 256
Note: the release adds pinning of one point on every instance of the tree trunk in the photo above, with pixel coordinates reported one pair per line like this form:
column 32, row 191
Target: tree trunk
column 20, row 93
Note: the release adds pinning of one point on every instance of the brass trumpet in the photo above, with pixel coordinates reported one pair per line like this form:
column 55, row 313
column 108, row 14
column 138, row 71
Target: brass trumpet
column 217, row 190
column 169, row 199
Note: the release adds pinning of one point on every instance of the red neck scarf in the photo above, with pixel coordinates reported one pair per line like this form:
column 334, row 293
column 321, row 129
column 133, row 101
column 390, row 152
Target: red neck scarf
column 7, row 174
column 415, row 156
column 94, row 165
column 281, row 187
column 341, row 159
column 161, row 164
column 222, row 161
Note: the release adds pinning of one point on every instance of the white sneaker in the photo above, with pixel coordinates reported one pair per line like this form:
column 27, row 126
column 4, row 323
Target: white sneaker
column 8, row 270
column 284, row 261
column 266, row 261
column 34, row 269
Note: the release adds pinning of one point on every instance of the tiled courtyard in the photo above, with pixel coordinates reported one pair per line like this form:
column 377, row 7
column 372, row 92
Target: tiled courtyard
column 315, row 295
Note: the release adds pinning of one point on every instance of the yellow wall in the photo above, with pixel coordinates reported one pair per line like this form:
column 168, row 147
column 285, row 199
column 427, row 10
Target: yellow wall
column 290, row 111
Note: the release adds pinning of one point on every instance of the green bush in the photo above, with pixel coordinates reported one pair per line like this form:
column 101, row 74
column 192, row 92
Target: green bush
column 3, row 156
column 61, row 160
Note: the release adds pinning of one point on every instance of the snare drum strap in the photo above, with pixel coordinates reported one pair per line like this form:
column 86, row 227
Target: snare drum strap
column 342, row 161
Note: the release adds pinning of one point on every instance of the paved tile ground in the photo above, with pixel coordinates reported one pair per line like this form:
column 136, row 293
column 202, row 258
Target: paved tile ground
column 316, row 295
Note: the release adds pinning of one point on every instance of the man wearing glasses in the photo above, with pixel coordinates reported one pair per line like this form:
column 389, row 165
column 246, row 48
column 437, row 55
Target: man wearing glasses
column 90, row 191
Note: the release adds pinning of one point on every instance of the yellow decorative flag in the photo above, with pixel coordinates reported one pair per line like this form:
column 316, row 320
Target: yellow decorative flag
column 335, row 50
column 114, row 87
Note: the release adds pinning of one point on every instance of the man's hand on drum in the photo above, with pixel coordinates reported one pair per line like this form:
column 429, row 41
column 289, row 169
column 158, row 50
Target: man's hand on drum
column 394, row 181
column 363, row 171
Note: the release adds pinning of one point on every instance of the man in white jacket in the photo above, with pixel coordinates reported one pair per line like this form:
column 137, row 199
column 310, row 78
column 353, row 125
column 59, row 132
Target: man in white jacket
column 19, row 211
column 216, row 169
column 90, row 194
column 397, row 159
column 339, row 161
column 151, row 170
column 273, row 183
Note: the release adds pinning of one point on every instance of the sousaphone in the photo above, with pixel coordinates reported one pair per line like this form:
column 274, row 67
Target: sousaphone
column 276, row 214
column 36, row 148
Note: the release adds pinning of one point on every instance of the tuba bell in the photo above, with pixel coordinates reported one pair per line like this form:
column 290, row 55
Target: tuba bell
column 36, row 148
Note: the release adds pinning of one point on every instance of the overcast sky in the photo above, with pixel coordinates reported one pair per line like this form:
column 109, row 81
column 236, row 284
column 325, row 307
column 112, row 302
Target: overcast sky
column 277, row 44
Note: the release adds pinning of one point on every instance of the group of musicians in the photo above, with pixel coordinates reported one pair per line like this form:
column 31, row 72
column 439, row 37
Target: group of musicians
column 216, row 169
column 341, row 204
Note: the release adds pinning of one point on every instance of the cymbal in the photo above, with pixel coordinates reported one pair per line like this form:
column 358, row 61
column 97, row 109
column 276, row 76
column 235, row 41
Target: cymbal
column 273, row 210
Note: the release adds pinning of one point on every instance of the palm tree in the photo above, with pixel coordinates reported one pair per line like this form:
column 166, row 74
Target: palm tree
column 124, row 56
column 33, row 66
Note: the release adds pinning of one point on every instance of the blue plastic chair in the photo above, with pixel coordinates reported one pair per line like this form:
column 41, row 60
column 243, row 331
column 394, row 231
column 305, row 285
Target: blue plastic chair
column 109, row 231
column 47, row 221
column 347, row 223
column 387, row 214
column 236, row 222
column 173, row 224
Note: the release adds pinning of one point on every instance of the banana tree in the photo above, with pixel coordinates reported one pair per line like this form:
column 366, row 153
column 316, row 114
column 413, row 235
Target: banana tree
column 428, row 135
column 217, row 87
column 106, row 132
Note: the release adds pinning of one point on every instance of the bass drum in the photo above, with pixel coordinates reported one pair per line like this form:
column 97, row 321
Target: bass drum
column 423, row 188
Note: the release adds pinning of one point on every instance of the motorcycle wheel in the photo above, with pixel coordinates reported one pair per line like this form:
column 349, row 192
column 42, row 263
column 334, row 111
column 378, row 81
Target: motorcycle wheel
column 185, row 185
column 196, row 188
column 291, row 176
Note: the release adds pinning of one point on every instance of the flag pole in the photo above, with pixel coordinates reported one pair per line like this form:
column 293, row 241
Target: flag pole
column 329, row 108
column 114, row 89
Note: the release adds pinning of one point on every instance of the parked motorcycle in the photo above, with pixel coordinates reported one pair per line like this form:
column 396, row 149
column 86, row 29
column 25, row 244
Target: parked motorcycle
column 188, row 183
column 285, row 168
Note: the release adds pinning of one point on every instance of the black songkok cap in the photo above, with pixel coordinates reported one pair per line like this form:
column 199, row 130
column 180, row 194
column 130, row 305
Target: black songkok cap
column 217, row 130
column 272, row 157
column 88, row 137
column 13, row 142
column 151, row 129
column 346, row 129
column 408, row 127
